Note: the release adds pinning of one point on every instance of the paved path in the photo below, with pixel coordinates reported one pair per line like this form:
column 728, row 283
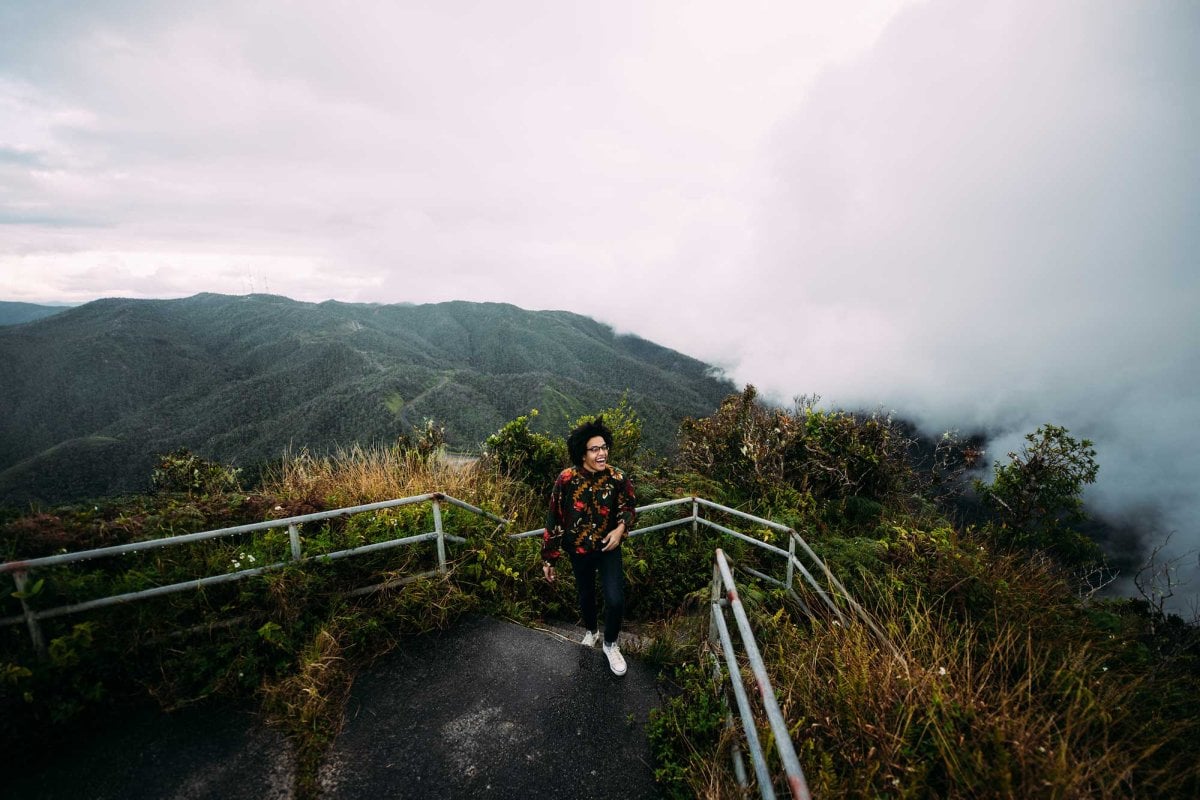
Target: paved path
column 487, row 709
column 490, row 709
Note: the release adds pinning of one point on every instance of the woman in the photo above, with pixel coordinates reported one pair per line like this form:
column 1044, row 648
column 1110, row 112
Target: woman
column 592, row 509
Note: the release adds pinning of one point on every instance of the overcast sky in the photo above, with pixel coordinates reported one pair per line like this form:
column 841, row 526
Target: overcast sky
column 976, row 214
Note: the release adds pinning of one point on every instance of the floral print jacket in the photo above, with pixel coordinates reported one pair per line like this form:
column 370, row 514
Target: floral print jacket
column 584, row 507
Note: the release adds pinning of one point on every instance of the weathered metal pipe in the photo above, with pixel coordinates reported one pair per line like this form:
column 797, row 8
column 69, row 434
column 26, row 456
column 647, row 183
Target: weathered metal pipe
column 779, row 728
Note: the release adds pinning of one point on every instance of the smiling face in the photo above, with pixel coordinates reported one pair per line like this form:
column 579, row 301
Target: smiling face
column 595, row 457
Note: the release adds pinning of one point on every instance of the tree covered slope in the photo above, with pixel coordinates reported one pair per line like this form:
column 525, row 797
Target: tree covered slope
column 94, row 392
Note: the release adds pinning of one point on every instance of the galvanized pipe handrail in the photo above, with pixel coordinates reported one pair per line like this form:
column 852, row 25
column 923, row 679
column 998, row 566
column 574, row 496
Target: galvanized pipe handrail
column 796, row 563
column 789, row 556
column 862, row 613
column 664, row 504
column 675, row 523
column 185, row 538
column 779, row 728
column 778, row 551
column 770, row 548
column 793, row 561
column 749, row 729
column 20, row 569
column 454, row 501
column 225, row 577
column 750, row 517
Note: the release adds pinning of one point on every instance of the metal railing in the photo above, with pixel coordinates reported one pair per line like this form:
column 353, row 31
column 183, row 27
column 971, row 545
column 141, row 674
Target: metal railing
column 725, row 593
column 829, row 593
column 723, row 587
column 20, row 570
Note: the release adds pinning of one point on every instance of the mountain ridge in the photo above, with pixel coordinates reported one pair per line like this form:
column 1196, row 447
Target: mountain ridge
column 242, row 378
column 17, row 313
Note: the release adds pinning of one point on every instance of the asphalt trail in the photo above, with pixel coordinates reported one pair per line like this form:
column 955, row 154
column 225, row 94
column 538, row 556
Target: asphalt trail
column 490, row 709
column 487, row 709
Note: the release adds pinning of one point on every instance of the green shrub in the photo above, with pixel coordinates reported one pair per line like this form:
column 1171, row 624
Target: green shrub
column 626, row 427
column 1037, row 497
column 532, row 458
column 686, row 731
column 182, row 471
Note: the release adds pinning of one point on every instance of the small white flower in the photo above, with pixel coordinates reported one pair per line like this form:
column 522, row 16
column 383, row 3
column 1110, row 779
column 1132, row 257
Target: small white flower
column 941, row 670
column 251, row 559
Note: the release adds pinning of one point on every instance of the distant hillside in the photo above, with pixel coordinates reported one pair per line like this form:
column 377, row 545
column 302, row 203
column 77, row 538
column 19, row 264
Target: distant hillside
column 93, row 393
column 17, row 313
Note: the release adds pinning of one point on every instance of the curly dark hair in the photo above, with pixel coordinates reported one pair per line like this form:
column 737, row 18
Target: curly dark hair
column 577, row 441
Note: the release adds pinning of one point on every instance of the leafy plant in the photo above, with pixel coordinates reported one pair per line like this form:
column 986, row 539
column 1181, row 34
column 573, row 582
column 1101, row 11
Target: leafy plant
column 1037, row 496
column 1002, row 683
column 686, row 731
column 185, row 472
column 532, row 458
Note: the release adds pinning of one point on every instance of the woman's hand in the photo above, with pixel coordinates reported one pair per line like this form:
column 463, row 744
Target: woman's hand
column 548, row 572
column 613, row 539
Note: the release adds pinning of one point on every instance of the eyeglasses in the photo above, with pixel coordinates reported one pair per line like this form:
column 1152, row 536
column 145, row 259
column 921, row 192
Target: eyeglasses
column 598, row 448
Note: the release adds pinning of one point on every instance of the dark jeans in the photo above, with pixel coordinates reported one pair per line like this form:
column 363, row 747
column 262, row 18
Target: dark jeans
column 612, row 579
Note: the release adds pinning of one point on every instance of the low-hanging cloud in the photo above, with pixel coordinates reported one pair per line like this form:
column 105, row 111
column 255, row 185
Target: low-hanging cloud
column 988, row 222
column 979, row 215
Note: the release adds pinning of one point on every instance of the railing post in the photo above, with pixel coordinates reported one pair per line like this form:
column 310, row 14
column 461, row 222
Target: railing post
column 714, row 595
column 294, row 536
column 695, row 515
column 441, row 535
column 21, row 579
column 791, row 558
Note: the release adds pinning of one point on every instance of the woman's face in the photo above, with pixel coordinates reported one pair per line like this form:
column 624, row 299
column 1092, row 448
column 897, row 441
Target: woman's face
column 596, row 454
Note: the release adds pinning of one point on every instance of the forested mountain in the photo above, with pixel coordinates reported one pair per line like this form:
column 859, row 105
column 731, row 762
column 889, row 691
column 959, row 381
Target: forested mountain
column 17, row 313
column 93, row 393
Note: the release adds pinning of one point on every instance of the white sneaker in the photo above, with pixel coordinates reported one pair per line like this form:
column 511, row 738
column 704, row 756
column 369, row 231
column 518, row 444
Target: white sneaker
column 616, row 661
column 591, row 638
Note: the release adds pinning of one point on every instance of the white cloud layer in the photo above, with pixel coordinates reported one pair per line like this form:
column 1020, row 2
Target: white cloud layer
column 979, row 214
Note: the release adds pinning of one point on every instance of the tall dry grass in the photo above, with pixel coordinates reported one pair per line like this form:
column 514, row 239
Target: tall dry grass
column 993, row 708
column 359, row 475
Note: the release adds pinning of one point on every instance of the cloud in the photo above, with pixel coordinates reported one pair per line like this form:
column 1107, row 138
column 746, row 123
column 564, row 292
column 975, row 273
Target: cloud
column 529, row 137
column 988, row 221
column 977, row 214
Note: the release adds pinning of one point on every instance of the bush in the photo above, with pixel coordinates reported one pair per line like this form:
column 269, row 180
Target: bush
column 183, row 472
column 826, row 455
column 1037, row 496
column 526, row 456
column 741, row 445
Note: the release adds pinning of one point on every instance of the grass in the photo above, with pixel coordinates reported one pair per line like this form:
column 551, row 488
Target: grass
column 1014, row 692
column 358, row 475
column 1007, row 686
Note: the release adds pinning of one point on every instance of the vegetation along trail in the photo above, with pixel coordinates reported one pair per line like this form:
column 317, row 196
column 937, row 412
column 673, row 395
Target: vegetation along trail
column 1016, row 677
